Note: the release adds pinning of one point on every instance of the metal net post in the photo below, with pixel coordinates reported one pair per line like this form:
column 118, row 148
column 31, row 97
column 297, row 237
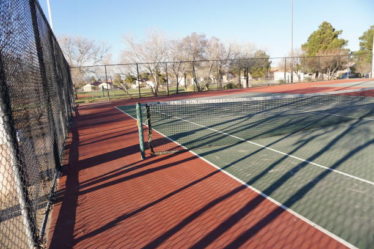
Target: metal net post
column 139, row 118
column 150, row 131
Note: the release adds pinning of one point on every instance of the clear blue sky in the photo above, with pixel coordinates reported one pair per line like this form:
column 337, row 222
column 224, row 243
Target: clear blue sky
column 265, row 23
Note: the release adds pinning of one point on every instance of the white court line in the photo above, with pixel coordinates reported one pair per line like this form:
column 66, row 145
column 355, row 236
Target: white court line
column 279, row 152
column 277, row 96
column 333, row 114
column 287, row 209
column 344, row 116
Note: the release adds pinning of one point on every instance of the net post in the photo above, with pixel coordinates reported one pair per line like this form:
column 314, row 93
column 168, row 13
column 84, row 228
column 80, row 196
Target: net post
column 149, row 123
column 139, row 119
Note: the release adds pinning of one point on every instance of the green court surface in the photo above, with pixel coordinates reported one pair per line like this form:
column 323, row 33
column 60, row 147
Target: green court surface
column 313, row 156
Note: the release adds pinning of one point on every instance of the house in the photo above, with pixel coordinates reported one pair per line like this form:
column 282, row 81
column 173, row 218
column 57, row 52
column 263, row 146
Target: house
column 280, row 75
column 147, row 83
column 87, row 87
column 97, row 85
column 105, row 86
column 150, row 83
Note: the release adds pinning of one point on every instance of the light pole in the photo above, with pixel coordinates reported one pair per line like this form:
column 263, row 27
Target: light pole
column 292, row 59
column 372, row 60
column 50, row 14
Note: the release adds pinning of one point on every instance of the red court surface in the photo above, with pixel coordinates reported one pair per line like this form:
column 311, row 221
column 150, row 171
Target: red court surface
column 108, row 198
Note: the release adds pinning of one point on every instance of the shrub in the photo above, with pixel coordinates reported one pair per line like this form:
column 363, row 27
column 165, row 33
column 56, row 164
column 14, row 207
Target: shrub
column 232, row 86
column 191, row 88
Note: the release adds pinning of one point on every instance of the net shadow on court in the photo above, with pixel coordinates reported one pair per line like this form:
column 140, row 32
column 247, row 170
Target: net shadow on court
column 313, row 156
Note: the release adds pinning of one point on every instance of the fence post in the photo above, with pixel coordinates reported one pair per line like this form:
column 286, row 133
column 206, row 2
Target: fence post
column 107, row 83
column 11, row 134
column 372, row 60
column 319, row 67
column 285, row 69
column 218, row 79
column 239, row 75
column 139, row 119
column 194, row 78
column 292, row 62
column 185, row 81
column 112, row 87
column 138, row 79
column 167, row 77
column 177, row 76
column 246, row 77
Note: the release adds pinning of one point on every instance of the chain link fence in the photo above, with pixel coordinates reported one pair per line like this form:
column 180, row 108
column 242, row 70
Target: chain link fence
column 105, row 82
column 36, row 105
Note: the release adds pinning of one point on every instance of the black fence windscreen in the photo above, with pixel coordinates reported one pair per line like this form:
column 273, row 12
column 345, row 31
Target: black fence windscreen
column 35, row 110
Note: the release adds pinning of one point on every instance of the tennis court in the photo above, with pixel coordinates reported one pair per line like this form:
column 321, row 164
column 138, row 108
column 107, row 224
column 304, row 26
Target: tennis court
column 311, row 153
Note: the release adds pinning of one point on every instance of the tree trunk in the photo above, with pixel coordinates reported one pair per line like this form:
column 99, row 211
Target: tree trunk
column 185, row 80
column 298, row 77
column 124, row 88
column 220, row 78
column 155, row 88
column 239, row 80
column 176, row 76
column 194, row 77
column 246, row 78
column 167, row 79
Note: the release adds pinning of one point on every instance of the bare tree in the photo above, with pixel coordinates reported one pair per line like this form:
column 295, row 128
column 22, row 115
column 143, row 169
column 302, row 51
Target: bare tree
column 154, row 50
column 220, row 54
column 333, row 60
column 178, row 66
column 81, row 52
column 242, row 59
column 123, row 84
column 296, row 63
column 193, row 48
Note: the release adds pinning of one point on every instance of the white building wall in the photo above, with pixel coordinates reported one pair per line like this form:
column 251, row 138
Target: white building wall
column 87, row 88
column 182, row 82
column 296, row 76
column 105, row 86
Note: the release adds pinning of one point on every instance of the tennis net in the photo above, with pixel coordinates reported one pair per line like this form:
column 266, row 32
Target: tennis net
column 209, row 123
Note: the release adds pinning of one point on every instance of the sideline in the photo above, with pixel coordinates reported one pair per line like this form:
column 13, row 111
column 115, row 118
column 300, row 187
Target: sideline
column 306, row 220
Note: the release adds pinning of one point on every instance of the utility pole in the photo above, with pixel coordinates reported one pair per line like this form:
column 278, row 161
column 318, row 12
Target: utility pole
column 372, row 59
column 292, row 59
